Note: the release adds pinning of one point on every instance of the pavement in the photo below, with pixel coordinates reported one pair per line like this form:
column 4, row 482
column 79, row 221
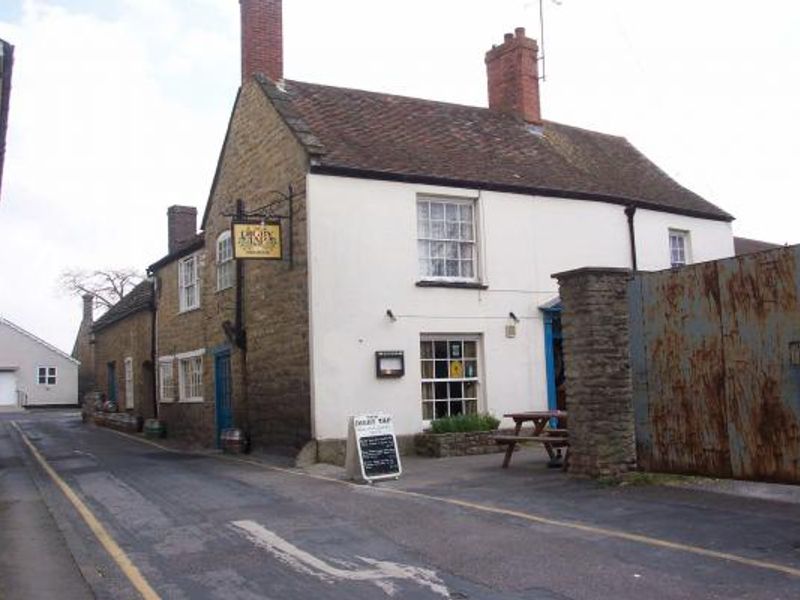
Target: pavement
column 201, row 525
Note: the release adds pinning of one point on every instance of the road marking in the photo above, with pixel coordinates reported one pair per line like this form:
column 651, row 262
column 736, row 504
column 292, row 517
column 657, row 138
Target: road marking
column 105, row 539
column 534, row 518
column 381, row 573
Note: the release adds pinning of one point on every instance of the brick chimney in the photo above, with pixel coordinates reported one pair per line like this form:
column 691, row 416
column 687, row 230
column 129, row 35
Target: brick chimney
column 88, row 305
column 181, row 226
column 513, row 73
column 262, row 38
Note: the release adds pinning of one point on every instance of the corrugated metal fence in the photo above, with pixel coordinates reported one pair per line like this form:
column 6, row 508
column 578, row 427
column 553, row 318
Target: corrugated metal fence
column 715, row 357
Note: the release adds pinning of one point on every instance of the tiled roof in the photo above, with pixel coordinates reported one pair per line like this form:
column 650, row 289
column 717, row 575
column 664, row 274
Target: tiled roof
column 747, row 246
column 382, row 136
column 139, row 298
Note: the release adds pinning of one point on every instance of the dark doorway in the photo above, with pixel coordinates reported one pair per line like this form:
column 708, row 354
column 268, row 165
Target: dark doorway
column 111, row 376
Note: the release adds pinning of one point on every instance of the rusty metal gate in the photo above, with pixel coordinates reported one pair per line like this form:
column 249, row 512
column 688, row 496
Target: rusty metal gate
column 715, row 359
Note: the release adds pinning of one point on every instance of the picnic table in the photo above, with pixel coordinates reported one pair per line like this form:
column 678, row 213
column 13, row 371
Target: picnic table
column 551, row 438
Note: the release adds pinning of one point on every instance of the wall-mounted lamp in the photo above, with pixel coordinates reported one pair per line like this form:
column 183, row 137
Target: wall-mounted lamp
column 511, row 328
column 390, row 314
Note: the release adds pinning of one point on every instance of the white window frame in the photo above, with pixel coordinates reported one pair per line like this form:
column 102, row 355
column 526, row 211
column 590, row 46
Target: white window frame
column 48, row 374
column 128, row 382
column 166, row 389
column 427, row 241
column 189, row 280
column 184, row 389
column 226, row 274
column 430, row 380
column 679, row 248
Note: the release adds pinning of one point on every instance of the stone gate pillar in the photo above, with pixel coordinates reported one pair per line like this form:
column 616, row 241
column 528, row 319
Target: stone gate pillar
column 594, row 322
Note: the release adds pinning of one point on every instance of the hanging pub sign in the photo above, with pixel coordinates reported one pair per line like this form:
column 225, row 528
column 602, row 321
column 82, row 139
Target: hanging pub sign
column 257, row 240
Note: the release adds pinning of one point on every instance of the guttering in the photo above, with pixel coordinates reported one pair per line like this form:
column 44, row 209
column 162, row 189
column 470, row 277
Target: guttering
column 513, row 189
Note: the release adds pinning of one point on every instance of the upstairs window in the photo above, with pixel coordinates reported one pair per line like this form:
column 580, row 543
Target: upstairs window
column 47, row 376
column 188, row 289
column 678, row 248
column 225, row 262
column 446, row 239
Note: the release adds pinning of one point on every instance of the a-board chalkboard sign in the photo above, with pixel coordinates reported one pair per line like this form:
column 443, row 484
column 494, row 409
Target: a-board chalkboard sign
column 372, row 448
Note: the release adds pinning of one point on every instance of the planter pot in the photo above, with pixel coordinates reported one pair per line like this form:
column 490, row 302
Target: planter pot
column 440, row 445
column 153, row 428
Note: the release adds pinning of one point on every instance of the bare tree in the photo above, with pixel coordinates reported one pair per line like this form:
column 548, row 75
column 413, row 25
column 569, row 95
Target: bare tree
column 107, row 286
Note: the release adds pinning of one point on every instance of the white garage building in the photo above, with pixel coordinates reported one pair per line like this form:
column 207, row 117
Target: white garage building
column 33, row 372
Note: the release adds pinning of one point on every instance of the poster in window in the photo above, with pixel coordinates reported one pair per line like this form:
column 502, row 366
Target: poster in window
column 455, row 349
column 456, row 369
column 257, row 240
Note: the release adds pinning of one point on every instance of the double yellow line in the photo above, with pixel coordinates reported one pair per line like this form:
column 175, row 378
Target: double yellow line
column 118, row 554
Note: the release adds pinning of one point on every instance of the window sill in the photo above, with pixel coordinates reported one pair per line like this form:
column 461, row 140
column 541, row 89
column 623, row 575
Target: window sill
column 190, row 401
column 443, row 283
column 225, row 289
column 188, row 310
column 169, row 401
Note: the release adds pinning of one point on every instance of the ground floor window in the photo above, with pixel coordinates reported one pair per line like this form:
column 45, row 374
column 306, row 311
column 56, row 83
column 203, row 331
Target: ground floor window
column 190, row 376
column 129, row 382
column 450, row 375
column 166, row 379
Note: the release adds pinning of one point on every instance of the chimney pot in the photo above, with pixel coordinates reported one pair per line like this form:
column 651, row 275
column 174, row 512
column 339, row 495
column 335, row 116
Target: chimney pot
column 513, row 77
column 181, row 226
column 262, row 38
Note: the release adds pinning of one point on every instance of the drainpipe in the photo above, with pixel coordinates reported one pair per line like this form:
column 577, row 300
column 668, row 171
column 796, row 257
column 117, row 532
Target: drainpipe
column 630, row 211
column 153, row 349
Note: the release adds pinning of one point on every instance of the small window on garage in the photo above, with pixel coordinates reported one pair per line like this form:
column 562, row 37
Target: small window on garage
column 47, row 376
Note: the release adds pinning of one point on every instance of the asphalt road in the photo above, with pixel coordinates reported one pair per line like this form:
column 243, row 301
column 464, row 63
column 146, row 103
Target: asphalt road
column 198, row 526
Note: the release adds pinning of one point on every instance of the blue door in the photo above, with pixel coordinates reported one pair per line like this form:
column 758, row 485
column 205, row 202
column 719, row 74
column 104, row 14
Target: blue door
column 222, row 387
column 554, row 356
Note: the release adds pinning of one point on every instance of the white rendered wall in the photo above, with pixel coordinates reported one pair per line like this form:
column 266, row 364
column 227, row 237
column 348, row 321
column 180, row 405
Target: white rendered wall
column 24, row 354
column 363, row 261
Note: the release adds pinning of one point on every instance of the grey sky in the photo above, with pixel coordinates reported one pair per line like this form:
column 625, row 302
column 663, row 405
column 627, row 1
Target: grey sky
column 119, row 107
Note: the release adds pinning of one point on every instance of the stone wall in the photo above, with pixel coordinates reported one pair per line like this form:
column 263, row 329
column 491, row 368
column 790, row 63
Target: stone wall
column 442, row 445
column 271, row 390
column 594, row 319
column 129, row 337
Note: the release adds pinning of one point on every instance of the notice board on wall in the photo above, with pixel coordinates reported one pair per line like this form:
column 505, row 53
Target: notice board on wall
column 372, row 448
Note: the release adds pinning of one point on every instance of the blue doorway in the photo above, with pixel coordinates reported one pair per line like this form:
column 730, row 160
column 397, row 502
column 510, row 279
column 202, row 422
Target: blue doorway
column 222, row 390
column 554, row 355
